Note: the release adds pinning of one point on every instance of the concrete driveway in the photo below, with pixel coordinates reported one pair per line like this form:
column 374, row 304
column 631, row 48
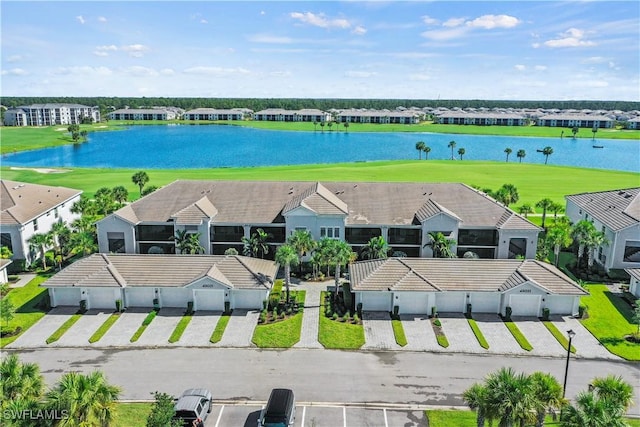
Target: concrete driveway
column 419, row 333
column 459, row 334
column 121, row 332
column 78, row 335
column 497, row 335
column 378, row 332
column 199, row 330
column 542, row 341
column 239, row 331
column 36, row 335
column 160, row 329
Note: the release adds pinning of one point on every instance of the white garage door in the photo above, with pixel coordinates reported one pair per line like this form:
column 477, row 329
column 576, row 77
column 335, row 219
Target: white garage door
column 175, row 297
column 525, row 305
column 139, row 297
column 248, row 299
column 102, row 297
column 560, row 304
column 67, row 296
column 451, row 302
column 484, row 302
column 208, row 299
column 412, row 302
column 376, row 301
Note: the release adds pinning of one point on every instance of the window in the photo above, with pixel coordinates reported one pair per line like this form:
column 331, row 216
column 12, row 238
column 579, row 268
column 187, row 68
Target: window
column 5, row 240
column 330, row 232
column 632, row 251
column 116, row 243
column 35, row 224
column 56, row 213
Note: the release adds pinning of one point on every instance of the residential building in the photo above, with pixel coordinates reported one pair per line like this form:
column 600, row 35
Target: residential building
column 420, row 285
column 379, row 116
column 215, row 114
column 633, row 123
column 206, row 281
column 576, row 120
column 281, row 115
column 634, row 282
column 481, row 119
column 4, row 263
column 617, row 214
column 223, row 212
column 143, row 114
column 28, row 209
column 50, row 115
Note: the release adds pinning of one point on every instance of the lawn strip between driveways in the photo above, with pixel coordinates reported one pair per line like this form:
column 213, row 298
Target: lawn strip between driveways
column 99, row 333
column 338, row 335
column 441, row 338
column 146, row 322
column 564, row 342
column 64, row 328
column 478, row 333
column 180, row 328
column 398, row 332
column 216, row 336
column 518, row 335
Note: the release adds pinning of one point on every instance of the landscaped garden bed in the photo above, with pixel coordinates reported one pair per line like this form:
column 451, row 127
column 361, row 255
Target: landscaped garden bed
column 338, row 331
column 439, row 331
column 281, row 330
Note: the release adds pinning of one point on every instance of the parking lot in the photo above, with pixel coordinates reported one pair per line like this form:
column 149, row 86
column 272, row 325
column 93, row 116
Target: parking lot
column 320, row 415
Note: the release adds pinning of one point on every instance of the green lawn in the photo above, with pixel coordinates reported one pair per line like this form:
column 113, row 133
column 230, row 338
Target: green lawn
column 283, row 334
column 180, row 327
column 559, row 336
column 99, row 333
column 478, row 333
column 338, row 335
column 398, row 332
column 28, row 301
column 534, row 181
column 216, row 336
column 519, row 336
column 609, row 321
column 146, row 322
column 131, row 414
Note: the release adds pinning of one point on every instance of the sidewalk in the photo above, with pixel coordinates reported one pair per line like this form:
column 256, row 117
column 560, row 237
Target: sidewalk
column 24, row 279
column 311, row 313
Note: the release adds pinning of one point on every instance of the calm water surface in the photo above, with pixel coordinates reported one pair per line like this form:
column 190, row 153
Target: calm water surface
column 208, row 146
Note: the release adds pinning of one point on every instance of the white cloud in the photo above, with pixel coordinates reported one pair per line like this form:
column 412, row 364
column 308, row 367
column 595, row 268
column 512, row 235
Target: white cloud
column 453, row 22
column 83, row 70
column 80, row 19
column 268, row 38
column 135, row 50
column 445, row 34
column 520, row 67
column 429, row 20
column 489, row 22
column 216, row 71
column 138, row 70
column 102, row 19
column 360, row 74
column 204, row 21
column 14, row 72
column 320, row 20
column 359, row 30
column 104, row 50
column 573, row 37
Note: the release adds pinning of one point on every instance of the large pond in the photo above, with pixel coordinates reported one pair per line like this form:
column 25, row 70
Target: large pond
column 209, row 146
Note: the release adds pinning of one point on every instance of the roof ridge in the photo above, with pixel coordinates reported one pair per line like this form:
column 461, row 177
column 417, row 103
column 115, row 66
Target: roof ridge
column 256, row 276
column 411, row 270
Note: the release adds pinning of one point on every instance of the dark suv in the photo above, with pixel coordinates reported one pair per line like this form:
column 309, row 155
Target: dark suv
column 280, row 410
column 192, row 404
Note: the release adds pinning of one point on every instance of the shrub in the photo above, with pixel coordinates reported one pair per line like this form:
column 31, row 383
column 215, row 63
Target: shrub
column 347, row 296
column 545, row 313
column 434, row 311
column 119, row 305
column 437, row 322
column 335, row 316
column 347, row 316
column 83, row 306
column 356, row 319
column 582, row 311
column 275, row 313
column 507, row 314
column 264, row 304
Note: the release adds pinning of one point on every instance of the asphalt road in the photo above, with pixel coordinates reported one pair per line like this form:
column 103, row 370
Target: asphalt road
column 320, row 376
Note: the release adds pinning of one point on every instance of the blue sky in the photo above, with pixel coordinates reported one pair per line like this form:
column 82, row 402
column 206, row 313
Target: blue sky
column 537, row 50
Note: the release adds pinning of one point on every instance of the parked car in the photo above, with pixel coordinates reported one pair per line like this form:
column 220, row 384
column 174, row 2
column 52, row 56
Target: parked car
column 193, row 404
column 280, row 410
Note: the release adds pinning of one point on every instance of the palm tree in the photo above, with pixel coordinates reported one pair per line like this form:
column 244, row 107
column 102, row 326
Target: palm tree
column 315, row 125
column 579, row 232
column 83, row 242
column 286, row 255
column 508, row 151
column 341, row 255
column 140, row 179
column 525, row 209
column 556, row 208
column 330, row 124
column 476, row 398
column 19, row 380
column 346, row 126
column 88, row 399
column 559, row 236
column 83, row 206
column 452, row 145
column 521, row 154
column 83, row 224
column 507, row 194
column 440, row 245
column 544, row 204
column 256, row 244
column 104, row 200
column 614, row 389
column 41, row 242
column 508, row 397
column 180, row 239
column 322, row 126
column 461, row 152
column 547, row 393
column 303, row 243
column 376, row 248
column 426, row 150
column 120, row 194
column 547, row 151
column 590, row 410
column 574, row 131
column 592, row 242
column 61, row 235
column 420, row 145
column 594, row 130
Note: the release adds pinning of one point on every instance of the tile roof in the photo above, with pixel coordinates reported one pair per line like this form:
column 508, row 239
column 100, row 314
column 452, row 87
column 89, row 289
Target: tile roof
column 23, row 202
column 4, row 263
column 616, row 209
column 477, row 275
column 264, row 202
column 633, row 272
column 196, row 212
column 122, row 270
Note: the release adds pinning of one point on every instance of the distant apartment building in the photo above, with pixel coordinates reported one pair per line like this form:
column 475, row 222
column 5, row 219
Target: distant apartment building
column 379, row 116
column 143, row 114
column 576, row 120
column 281, row 115
column 633, row 123
column 480, row 119
column 50, row 115
column 216, row 114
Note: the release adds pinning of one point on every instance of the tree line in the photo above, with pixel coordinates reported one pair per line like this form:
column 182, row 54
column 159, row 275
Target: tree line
column 107, row 104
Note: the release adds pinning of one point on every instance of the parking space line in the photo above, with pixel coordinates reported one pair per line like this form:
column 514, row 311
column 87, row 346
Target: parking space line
column 304, row 412
column 384, row 412
column 219, row 416
column 344, row 415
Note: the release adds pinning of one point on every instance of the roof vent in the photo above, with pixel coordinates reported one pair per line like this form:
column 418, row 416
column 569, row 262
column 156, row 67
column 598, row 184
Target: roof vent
column 626, row 196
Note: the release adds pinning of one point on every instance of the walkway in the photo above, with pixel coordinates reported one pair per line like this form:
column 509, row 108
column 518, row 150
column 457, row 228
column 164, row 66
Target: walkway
column 311, row 313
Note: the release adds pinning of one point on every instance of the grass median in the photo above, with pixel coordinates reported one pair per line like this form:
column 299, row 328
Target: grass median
column 218, row 332
column 104, row 328
column 63, row 328
column 518, row 335
column 180, row 328
column 146, row 322
column 478, row 333
column 398, row 332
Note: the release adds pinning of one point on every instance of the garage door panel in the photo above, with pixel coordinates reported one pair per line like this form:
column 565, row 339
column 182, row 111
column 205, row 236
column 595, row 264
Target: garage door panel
column 67, row 296
column 376, row 301
column 140, row 297
column 175, row 297
column 525, row 305
column 412, row 302
column 559, row 304
column 103, row 297
column 209, row 300
column 484, row 302
column 248, row 299
column 450, row 302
